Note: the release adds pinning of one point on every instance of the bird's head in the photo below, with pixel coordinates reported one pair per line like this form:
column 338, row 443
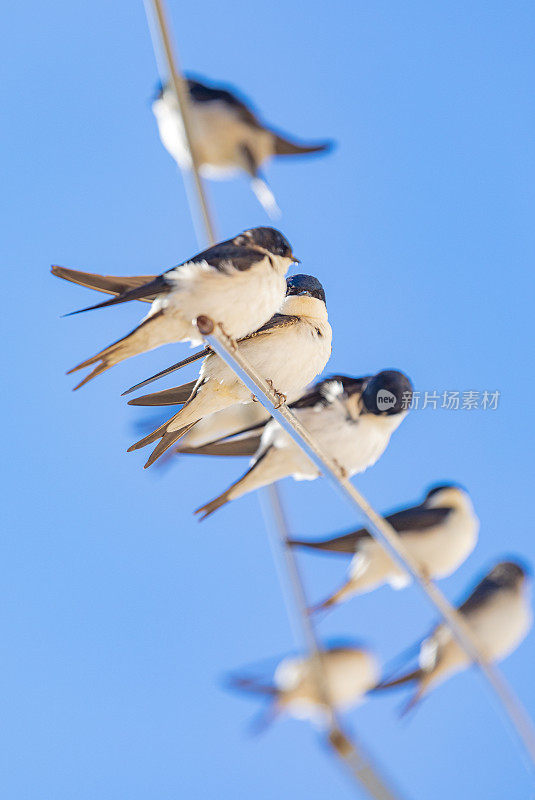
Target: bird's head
column 268, row 239
column 304, row 285
column 387, row 393
column 510, row 574
column 445, row 495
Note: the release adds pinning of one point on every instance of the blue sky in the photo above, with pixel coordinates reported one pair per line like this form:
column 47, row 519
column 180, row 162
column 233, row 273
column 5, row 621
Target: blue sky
column 120, row 614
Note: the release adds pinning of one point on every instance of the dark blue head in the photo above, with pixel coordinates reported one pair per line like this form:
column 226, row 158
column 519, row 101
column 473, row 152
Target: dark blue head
column 389, row 392
column 510, row 573
column 269, row 239
column 305, row 285
column 442, row 487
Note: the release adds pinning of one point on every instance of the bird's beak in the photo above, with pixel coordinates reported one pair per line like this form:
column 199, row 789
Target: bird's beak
column 295, row 260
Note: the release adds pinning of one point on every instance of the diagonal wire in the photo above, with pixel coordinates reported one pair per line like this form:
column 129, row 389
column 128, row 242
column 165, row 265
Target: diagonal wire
column 515, row 714
column 158, row 19
column 357, row 760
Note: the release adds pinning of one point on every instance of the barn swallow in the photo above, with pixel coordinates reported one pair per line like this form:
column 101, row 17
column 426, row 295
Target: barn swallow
column 350, row 672
column 352, row 423
column 439, row 533
column 239, row 283
column 228, row 135
column 498, row 613
column 289, row 351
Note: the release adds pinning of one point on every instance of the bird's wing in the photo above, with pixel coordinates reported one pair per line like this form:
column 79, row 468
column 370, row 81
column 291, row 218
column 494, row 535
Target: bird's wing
column 326, row 391
column 168, row 370
column 484, row 590
column 147, row 291
column 169, row 397
column 110, row 284
column 247, row 446
column 418, row 518
column 209, row 94
column 276, row 323
column 241, row 257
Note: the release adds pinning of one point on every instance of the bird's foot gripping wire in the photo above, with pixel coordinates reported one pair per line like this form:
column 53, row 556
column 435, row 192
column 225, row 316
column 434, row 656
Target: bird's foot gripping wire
column 342, row 470
column 232, row 343
column 281, row 398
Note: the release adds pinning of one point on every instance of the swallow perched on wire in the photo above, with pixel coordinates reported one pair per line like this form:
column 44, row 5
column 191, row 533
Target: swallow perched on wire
column 289, row 351
column 239, row 283
column 498, row 613
column 349, row 673
column 228, row 136
column 352, row 421
column 439, row 533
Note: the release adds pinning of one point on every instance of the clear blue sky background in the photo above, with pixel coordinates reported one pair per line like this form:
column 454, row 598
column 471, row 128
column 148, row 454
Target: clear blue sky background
column 120, row 614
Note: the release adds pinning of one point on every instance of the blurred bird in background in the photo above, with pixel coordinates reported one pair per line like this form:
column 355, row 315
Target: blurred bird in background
column 439, row 533
column 352, row 423
column 498, row 613
column 239, row 283
column 228, row 136
column 350, row 672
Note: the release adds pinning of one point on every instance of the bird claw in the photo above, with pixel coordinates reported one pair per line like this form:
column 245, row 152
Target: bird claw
column 281, row 398
column 232, row 343
column 343, row 471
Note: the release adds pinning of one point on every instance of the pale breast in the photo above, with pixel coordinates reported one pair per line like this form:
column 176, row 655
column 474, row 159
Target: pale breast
column 220, row 133
column 349, row 675
column 443, row 548
column 502, row 624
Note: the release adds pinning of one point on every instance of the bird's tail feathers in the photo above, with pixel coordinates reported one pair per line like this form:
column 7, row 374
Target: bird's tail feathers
column 237, row 489
column 147, row 291
column 267, row 716
column 177, row 395
column 408, row 677
column 413, row 701
column 348, row 544
column 109, row 284
column 331, row 601
column 285, row 147
column 136, row 342
column 252, row 685
column 213, row 505
column 166, row 442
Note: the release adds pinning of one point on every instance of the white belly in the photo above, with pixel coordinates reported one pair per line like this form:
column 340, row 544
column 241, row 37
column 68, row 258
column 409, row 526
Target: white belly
column 440, row 550
column 291, row 358
column 499, row 627
column 349, row 675
column 355, row 446
column 240, row 301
